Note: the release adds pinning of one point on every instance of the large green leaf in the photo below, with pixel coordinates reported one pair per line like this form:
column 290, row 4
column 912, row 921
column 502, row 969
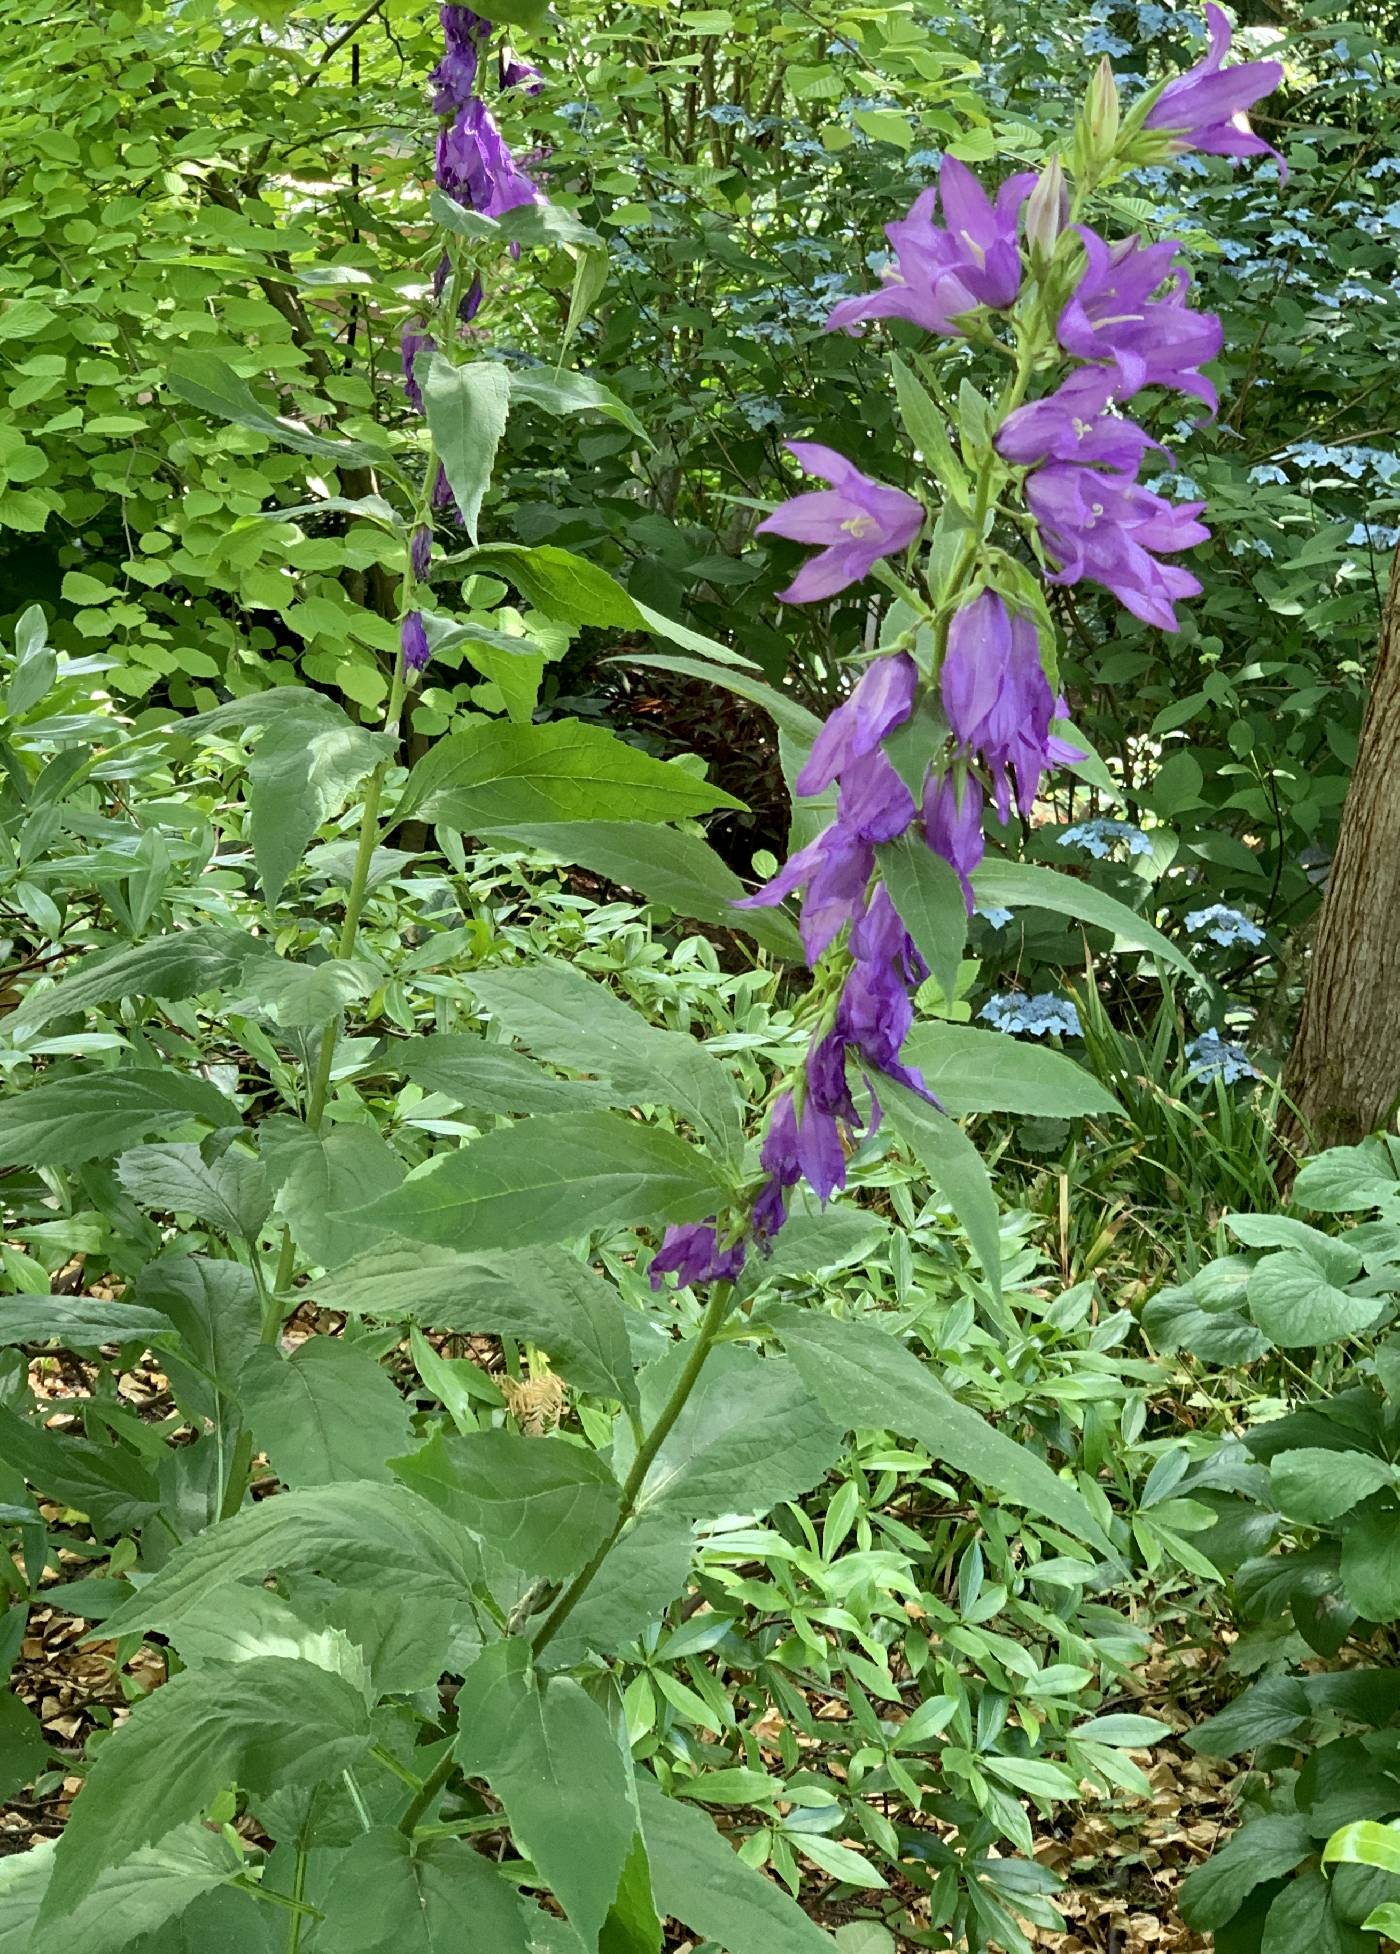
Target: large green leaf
column 701, row 1881
column 107, row 1482
column 563, row 393
column 551, row 1179
column 359, row 1532
column 1317, row 1486
column 334, row 1172
column 975, row 1071
column 77, row 1322
column 214, row 1306
column 1365, row 1843
column 64, row 1122
column 1371, row 1558
column 548, row 1753
column 173, row 1176
column 438, row 1897
column 1295, row 1305
column 955, row 1167
column 268, row 1723
column 466, row 408
column 213, row 387
column 928, row 895
column 665, row 865
column 326, row 1413
column 751, row 1433
column 152, row 1887
column 1264, row 1849
column 575, row 591
column 301, row 773
column 180, row 965
column 570, row 1019
column 543, row 1504
column 642, row 1575
column 490, row 1078
column 497, row 775
column 865, row 1378
column 539, row 1295
column 1022, row 885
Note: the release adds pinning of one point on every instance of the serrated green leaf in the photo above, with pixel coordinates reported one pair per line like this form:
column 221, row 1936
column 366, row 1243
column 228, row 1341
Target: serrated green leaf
column 326, row 1414
column 64, row 1122
column 955, row 1167
column 974, row 1071
column 228, row 1193
column 466, row 408
column 436, row 1897
column 542, row 1504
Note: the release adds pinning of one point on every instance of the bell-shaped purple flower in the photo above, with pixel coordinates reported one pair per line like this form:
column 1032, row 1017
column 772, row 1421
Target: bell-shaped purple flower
column 857, row 520
column 420, row 551
column 876, row 1010
column 805, row 1146
column 454, row 78
column 475, row 167
column 834, row 872
column 998, row 699
column 944, row 271
column 1129, row 311
column 413, row 641
column 1206, row 107
column 953, row 825
column 693, row 1254
column 1097, row 526
column 515, row 73
column 1075, row 423
column 442, row 497
column 881, row 701
column 411, row 344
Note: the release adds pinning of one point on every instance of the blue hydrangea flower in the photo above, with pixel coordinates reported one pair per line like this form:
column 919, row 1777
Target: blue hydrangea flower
column 1036, row 1016
column 1268, row 471
column 1223, row 925
column 1100, row 836
column 1373, row 536
column 1214, row 1057
column 994, row 914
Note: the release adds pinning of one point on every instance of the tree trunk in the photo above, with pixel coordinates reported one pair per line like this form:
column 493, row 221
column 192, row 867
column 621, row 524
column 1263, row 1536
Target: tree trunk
column 1343, row 1073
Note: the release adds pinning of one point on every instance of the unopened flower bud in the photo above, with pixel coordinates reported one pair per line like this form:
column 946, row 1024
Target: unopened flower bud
column 1102, row 110
column 1046, row 210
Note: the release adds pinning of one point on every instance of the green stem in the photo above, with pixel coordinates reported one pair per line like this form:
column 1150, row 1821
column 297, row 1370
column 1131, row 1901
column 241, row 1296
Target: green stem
column 299, row 1895
column 715, row 1312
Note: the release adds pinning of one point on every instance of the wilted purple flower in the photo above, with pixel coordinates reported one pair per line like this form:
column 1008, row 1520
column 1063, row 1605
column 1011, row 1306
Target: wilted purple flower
column 881, row 701
column 413, row 640
column 1097, row 526
column 443, row 498
column 454, row 77
column 420, row 551
column 475, row 167
column 857, row 519
column 944, row 271
column 998, row 699
column 1115, row 315
column 1205, row 108
column 876, row 1010
column 515, row 73
column 953, row 825
column 411, row 344
column 1075, row 424
column 693, row 1254
column 834, row 872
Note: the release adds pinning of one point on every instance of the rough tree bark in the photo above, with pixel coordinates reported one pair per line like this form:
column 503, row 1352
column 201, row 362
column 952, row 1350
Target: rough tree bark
column 1343, row 1073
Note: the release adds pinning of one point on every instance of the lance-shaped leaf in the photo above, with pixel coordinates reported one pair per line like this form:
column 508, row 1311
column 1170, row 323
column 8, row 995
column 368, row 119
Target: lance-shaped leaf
column 928, row 895
column 955, row 1167
column 64, row 1122
column 496, row 1078
column 215, row 389
column 180, row 965
column 552, row 1179
column 866, row 1379
column 1022, row 885
column 548, row 1753
column 970, row 1070
column 542, row 1504
column 497, row 774
column 467, row 407
column 268, row 1723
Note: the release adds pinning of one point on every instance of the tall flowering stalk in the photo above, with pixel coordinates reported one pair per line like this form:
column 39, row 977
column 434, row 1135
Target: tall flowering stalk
column 1050, row 494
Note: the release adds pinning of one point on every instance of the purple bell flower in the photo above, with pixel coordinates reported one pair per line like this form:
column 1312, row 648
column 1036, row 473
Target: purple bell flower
column 953, row 825
column 454, row 78
column 998, row 699
column 411, row 344
column 413, row 640
column 515, row 73
column 876, row 1010
column 442, row 497
column 1205, row 108
column 1114, row 316
column 1098, row 527
column 420, row 551
column 944, row 271
column 475, row 167
column 857, row 520
column 882, row 700
column 1075, row 424
column 693, row 1254
column 834, row 871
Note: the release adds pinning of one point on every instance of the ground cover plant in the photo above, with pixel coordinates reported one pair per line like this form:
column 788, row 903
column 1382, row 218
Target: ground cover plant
column 656, row 1287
